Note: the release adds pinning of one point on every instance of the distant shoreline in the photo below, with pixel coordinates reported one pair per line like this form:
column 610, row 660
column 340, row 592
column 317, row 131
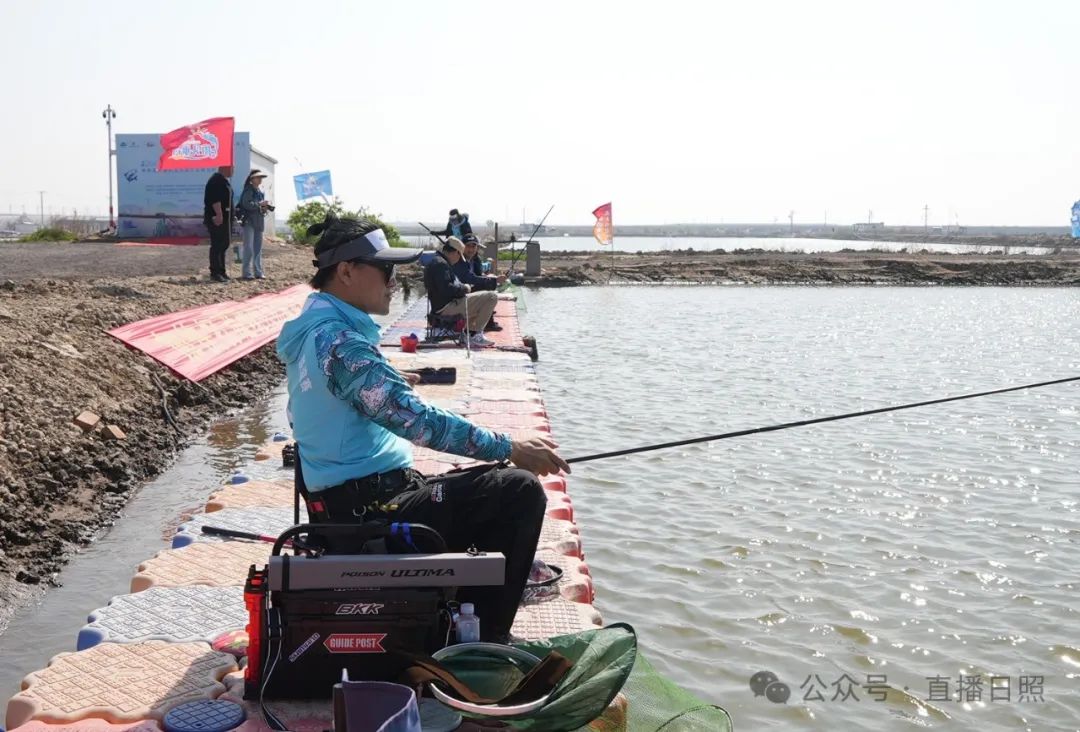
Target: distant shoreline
column 1033, row 236
column 850, row 268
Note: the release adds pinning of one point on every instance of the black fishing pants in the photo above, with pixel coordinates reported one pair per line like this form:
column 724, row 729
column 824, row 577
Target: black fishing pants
column 494, row 509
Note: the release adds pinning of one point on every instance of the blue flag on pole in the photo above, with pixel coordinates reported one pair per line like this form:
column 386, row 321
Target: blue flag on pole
column 309, row 185
column 1076, row 220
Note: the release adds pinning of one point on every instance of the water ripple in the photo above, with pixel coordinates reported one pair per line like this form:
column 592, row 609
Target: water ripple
column 915, row 544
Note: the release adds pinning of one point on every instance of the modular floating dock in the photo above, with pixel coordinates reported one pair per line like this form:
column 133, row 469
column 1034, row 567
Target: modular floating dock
column 167, row 652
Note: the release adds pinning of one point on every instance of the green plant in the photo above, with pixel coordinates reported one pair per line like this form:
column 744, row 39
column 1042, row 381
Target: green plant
column 309, row 214
column 314, row 212
column 51, row 233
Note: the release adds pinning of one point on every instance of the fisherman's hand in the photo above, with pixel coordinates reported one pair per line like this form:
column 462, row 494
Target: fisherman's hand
column 218, row 219
column 500, row 279
column 537, row 455
column 410, row 377
column 468, row 288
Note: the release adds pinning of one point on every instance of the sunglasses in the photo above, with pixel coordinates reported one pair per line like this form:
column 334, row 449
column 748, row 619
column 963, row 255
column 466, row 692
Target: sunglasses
column 387, row 268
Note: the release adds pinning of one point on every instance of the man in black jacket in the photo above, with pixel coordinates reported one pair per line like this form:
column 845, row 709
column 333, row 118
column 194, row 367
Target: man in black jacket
column 218, row 217
column 471, row 272
column 449, row 296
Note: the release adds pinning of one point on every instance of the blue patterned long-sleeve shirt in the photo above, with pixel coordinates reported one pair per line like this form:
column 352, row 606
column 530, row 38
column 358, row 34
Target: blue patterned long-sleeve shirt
column 352, row 413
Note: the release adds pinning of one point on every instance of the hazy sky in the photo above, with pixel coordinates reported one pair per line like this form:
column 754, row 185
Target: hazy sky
column 675, row 111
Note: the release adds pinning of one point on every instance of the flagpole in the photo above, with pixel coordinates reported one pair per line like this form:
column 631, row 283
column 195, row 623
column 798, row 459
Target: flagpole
column 607, row 231
column 611, row 271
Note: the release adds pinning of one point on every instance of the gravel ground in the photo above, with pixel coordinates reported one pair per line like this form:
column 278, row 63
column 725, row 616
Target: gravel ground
column 60, row 486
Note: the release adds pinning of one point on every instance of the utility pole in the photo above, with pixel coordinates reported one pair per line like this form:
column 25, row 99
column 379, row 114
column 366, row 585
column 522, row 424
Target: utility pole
column 109, row 114
column 41, row 195
column 926, row 219
column 791, row 222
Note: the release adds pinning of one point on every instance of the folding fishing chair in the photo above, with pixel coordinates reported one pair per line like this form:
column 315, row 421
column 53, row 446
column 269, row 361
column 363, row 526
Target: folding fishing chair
column 443, row 327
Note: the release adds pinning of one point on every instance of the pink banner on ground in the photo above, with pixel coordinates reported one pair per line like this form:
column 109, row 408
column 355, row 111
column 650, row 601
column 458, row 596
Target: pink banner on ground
column 195, row 343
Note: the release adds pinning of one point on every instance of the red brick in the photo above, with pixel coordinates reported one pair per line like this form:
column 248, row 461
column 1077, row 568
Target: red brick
column 112, row 432
column 87, row 421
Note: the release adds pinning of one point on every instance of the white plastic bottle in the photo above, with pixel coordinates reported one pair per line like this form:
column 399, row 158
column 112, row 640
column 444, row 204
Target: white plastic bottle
column 468, row 625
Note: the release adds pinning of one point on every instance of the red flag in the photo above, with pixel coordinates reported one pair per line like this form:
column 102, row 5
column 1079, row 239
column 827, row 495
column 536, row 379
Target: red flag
column 206, row 144
column 602, row 230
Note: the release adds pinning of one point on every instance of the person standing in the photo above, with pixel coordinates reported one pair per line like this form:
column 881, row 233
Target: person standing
column 253, row 208
column 457, row 225
column 218, row 216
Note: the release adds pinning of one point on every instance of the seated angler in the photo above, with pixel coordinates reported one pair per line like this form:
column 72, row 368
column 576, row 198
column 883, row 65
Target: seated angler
column 470, row 270
column 450, row 296
column 353, row 416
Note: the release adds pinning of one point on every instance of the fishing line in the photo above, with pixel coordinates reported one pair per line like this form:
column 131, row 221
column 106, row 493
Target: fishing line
column 817, row 420
column 514, row 260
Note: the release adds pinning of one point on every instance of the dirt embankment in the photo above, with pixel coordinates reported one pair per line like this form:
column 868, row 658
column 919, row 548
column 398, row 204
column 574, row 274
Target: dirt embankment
column 846, row 268
column 59, row 486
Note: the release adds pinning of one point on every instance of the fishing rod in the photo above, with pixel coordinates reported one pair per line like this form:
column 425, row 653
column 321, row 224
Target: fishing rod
column 817, row 420
column 514, row 259
column 465, row 333
column 441, row 240
column 529, row 348
column 234, row 534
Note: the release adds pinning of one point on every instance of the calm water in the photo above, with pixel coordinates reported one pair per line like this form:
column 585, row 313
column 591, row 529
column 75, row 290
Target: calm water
column 916, row 546
column 775, row 244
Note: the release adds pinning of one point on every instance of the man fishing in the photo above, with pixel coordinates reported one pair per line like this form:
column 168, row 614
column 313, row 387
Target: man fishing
column 457, row 225
column 353, row 416
column 470, row 271
column 449, row 296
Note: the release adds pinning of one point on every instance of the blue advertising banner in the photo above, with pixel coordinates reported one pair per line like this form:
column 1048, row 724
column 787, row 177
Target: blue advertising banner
column 1076, row 220
column 156, row 203
column 309, row 185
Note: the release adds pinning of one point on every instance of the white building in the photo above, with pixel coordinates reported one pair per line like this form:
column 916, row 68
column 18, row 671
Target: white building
column 168, row 204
